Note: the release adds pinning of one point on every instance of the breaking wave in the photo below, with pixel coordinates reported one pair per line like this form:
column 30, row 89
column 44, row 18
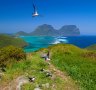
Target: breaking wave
column 60, row 40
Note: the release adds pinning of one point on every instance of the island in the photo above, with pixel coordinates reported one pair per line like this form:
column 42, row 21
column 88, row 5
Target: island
column 49, row 30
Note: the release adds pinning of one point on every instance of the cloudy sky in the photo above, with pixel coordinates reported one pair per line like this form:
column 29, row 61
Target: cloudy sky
column 16, row 15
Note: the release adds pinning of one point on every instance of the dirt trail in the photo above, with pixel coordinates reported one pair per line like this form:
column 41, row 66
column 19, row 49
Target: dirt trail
column 18, row 82
column 15, row 84
column 69, row 83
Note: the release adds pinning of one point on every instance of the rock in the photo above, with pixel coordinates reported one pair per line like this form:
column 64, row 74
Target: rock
column 21, row 80
column 46, row 85
column 48, row 74
column 43, row 55
column 37, row 88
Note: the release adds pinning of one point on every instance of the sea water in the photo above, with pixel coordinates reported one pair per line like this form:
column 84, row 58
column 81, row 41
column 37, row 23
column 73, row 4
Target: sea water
column 37, row 42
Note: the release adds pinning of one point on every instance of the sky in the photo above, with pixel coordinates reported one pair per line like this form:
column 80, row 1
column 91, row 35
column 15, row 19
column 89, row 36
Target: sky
column 16, row 15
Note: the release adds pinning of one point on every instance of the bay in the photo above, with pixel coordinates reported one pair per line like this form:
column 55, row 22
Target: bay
column 37, row 42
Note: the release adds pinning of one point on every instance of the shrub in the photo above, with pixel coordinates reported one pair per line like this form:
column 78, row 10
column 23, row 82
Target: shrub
column 10, row 52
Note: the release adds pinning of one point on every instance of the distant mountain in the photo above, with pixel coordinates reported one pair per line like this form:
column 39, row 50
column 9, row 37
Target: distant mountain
column 45, row 30
column 69, row 30
column 48, row 30
column 21, row 33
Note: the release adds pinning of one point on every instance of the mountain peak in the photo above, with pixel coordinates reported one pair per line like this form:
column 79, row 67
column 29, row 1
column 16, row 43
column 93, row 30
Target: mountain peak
column 48, row 30
column 44, row 30
column 69, row 30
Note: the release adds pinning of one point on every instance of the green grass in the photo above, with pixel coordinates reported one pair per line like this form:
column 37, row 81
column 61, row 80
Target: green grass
column 59, row 84
column 41, row 77
column 80, row 64
column 16, row 68
column 81, row 67
column 92, row 47
column 31, row 67
column 6, row 40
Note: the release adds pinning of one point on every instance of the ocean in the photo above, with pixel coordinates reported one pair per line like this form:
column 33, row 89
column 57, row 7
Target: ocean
column 37, row 42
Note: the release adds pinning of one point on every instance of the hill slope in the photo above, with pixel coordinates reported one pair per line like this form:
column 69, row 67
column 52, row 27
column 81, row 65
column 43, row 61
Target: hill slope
column 69, row 66
column 19, row 72
column 80, row 64
column 92, row 47
column 6, row 40
column 21, row 33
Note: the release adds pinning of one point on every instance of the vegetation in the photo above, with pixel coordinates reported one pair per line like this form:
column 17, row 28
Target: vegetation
column 31, row 67
column 6, row 40
column 21, row 33
column 9, row 53
column 92, row 47
column 79, row 64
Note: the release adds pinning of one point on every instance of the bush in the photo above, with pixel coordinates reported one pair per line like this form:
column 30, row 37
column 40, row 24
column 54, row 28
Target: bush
column 10, row 52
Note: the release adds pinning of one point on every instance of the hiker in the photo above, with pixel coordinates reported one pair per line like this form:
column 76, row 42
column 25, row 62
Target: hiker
column 48, row 54
column 47, row 57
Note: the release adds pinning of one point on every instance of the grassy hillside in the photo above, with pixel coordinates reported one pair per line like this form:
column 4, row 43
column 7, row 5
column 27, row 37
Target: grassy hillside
column 75, row 69
column 92, row 47
column 6, row 40
column 30, row 67
column 79, row 64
